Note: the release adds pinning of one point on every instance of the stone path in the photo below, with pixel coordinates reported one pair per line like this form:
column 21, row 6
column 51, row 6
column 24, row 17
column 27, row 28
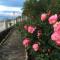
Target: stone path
column 12, row 48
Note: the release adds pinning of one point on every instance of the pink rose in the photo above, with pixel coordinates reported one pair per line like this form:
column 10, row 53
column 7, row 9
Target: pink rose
column 56, row 37
column 43, row 16
column 31, row 29
column 57, row 29
column 58, row 42
column 53, row 19
column 26, row 42
column 35, row 47
column 25, row 27
column 56, row 26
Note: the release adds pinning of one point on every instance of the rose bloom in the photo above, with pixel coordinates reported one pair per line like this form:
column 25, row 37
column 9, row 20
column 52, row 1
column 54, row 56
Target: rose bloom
column 31, row 29
column 35, row 47
column 43, row 16
column 25, row 27
column 26, row 42
column 53, row 19
column 58, row 42
column 56, row 37
column 56, row 26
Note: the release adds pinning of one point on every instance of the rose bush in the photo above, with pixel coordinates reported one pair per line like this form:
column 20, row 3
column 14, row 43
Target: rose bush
column 43, row 37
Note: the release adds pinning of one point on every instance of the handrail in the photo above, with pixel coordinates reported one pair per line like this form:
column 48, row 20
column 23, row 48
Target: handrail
column 4, row 33
column 6, row 37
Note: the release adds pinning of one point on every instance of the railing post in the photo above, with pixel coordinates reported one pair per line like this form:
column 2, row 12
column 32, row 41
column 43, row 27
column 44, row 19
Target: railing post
column 26, row 54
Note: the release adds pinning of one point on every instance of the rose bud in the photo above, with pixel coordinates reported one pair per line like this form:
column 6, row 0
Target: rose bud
column 31, row 29
column 43, row 16
column 26, row 42
column 35, row 47
column 53, row 19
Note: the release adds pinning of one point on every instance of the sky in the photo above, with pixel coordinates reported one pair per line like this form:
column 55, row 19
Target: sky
column 10, row 8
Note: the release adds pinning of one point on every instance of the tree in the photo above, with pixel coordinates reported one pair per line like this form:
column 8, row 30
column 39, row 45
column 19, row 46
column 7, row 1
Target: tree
column 34, row 7
column 55, row 6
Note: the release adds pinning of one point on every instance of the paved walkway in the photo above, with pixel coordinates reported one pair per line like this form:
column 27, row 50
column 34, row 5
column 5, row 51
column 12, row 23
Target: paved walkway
column 12, row 49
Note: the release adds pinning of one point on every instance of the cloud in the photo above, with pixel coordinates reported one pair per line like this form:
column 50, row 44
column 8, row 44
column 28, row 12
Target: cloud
column 10, row 11
column 7, row 8
column 10, row 14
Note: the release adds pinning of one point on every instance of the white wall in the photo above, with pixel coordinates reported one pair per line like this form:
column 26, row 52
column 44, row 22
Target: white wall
column 4, row 23
column 2, row 26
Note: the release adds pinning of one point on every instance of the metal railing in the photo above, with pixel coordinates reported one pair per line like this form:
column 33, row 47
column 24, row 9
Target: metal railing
column 5, row 34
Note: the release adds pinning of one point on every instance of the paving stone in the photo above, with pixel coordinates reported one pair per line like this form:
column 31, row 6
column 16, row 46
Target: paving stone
column 12, row 48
